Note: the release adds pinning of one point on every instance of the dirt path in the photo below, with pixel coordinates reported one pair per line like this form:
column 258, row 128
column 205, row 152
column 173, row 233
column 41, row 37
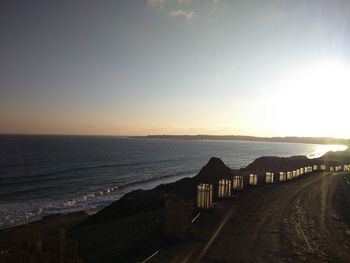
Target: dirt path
column 294, row 222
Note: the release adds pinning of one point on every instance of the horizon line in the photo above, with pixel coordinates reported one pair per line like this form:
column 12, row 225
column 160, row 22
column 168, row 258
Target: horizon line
column 178, row 135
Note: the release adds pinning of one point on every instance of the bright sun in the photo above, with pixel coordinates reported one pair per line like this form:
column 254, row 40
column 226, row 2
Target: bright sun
column 314, row 101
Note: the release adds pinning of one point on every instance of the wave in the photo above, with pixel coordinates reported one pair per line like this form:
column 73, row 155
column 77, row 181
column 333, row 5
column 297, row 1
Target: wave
column 94, row 200
column 114, row 188
column 53, row 175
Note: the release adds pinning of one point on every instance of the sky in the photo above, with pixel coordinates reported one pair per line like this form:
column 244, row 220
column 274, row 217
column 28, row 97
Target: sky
column 261, row 68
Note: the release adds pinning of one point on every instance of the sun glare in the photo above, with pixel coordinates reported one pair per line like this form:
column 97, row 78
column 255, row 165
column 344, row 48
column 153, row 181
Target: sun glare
column 319, row 150
column 313, row 101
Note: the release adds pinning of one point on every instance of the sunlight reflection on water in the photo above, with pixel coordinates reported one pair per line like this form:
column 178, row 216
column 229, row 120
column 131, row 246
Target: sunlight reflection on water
column 320, row 150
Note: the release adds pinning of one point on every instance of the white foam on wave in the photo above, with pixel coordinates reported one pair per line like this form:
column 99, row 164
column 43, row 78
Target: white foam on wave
column 27, row 212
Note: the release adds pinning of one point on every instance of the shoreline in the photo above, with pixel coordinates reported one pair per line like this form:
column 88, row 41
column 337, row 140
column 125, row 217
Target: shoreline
column 145, row 185
column 21, row 205
column 244, row 138
column 47, row 217
column 151, row 186
column 140, row 213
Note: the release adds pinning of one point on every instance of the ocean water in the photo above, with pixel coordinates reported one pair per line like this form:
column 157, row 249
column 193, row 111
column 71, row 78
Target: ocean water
column 42, row 175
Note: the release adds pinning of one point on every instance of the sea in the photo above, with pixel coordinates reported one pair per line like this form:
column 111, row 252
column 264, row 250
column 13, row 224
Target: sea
column 45, row 175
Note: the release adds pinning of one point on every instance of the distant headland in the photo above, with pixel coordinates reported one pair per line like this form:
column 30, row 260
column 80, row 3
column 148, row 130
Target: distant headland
column 311, row 140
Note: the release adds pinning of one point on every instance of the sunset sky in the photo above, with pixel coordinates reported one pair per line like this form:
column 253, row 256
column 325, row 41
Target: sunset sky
column 263, row 68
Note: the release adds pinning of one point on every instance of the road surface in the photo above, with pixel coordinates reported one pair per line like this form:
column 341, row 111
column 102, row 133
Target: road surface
column 306, row 220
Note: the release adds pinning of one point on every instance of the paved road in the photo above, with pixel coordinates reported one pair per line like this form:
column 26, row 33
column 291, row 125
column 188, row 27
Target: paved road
column 304, row 220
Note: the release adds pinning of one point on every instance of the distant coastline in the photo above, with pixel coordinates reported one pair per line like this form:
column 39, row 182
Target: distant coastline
column 288, row 139
column 310, row 140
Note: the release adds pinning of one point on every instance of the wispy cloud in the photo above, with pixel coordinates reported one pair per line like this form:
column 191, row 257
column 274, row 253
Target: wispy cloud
column 156, row 3
column 188, row 15
column 214, row 2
